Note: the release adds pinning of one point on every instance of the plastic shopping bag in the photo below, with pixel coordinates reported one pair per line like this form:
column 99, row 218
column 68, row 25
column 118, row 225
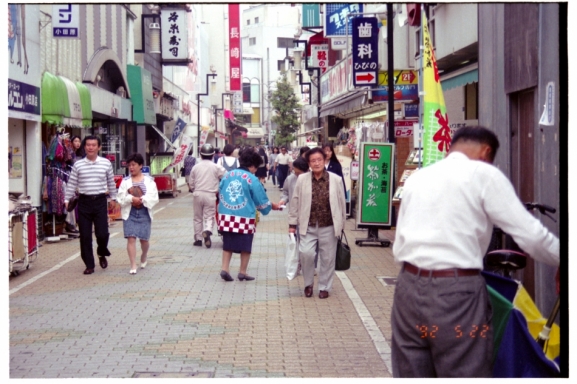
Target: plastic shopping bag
column 292, row 257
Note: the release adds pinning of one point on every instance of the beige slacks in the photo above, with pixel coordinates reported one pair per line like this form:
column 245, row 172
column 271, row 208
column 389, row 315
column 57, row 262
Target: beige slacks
column 204, row 206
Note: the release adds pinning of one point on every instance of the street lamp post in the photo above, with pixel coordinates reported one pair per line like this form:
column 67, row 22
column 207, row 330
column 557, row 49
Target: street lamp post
column 310, row 72
column 220, row 109
column 198, row 110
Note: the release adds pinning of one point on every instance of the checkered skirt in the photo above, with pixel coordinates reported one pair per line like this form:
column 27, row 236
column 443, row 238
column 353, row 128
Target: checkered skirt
column 236, row 224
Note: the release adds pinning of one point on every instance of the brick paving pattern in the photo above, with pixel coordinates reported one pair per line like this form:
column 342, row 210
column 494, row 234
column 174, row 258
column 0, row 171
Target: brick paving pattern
column 178, row 318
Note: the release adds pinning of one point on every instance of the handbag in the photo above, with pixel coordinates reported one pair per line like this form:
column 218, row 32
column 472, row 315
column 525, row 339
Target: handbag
column 136, row 192
column 292, row 257
column 72, row 203
column 343, row 257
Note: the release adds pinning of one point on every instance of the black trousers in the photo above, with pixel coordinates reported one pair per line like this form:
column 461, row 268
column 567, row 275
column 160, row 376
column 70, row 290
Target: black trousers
column 282, row 174
column 93, row 211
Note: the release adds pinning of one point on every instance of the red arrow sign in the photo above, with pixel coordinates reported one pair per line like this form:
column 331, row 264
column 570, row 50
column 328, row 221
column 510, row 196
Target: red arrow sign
column 410, row 76
column 368, row 77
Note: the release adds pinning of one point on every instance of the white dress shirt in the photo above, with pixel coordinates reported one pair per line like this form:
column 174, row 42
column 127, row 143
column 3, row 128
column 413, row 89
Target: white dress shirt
column 448, row 211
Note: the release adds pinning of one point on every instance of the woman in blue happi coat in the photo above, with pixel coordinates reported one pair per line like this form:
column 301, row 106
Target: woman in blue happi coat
column 241, row 194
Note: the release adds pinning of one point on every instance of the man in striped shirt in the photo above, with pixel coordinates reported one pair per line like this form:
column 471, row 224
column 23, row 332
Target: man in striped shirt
column 92, row 176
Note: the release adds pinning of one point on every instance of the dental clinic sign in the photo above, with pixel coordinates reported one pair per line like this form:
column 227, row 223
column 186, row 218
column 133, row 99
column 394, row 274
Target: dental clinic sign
column 365, row 51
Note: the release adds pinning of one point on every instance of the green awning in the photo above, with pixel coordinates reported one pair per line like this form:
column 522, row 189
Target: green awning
column 54, row 99
column 140, row 83
column 65, row 102
column 461, row 80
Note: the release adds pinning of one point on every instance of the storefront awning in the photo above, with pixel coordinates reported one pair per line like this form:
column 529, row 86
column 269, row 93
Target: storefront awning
column 460, row 80
column 255, row 133
column 234, row 126
column 314, row 130
column 346, row 104
column 164, row 137
column 65, row 102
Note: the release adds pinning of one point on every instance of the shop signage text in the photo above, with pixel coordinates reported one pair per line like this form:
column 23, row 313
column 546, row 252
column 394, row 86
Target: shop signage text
column 376, row 177
column 365, row 50
column 174, row 35
column 234, row 51
column 337, row 81
column 23, row 97
column 336, row 18
column 65, row 20
column 320, row 56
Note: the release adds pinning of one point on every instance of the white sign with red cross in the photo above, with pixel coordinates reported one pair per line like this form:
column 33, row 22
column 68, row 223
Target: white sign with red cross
column 320, row 56
column 374, row 154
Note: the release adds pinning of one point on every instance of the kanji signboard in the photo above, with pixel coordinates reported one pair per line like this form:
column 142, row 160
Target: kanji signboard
column 65, row 20
column 336, row 17
column 376, row 183
column 234, row 51
column 365, row 51
column 406, row 86
column 320, row 56
column 174, row 36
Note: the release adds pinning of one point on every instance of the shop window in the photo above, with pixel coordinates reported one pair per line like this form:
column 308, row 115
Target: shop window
column 252, row 41
column 248, row 22
column 256, row 20
column 246, row 93
column 280, row 66
column 471, row 101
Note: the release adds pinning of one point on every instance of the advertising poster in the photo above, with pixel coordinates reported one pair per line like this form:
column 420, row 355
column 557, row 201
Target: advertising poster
column 376, row 182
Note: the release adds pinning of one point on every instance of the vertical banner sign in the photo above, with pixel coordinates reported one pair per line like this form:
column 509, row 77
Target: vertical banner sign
column 234, row 47
column 376, row 183
column 365, row 51
column 179, row 154
column 174, row 35
column 336, row 18
column 178, row 128
column 320, row 56
column 65, row 20
column 436, row 130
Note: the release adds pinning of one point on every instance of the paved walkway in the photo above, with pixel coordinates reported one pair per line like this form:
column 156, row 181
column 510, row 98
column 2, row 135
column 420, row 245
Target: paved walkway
column 178, row 318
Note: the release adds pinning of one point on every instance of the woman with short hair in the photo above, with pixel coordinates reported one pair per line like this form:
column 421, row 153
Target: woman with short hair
column 137, row 195
column 240, row 196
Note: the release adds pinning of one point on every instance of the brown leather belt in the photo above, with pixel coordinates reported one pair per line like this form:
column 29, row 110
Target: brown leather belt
column 451, row 272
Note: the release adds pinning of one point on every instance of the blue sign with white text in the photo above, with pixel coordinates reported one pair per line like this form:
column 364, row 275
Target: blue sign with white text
column 178, row 128
column 365, row 51
column 336, row 18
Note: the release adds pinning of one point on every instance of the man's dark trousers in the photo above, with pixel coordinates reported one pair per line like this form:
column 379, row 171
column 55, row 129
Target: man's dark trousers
column 283, row 170
column 441, row 327
column 93, row 209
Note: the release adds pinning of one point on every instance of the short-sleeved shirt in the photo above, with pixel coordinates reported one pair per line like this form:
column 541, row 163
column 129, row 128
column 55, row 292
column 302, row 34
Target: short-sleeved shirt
column 321, row 209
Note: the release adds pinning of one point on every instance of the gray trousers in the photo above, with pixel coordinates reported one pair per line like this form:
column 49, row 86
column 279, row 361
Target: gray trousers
column 327, row 251
column 204, row 206
column 441, row 327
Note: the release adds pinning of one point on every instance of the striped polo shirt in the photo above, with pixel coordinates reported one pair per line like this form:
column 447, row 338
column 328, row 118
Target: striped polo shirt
column 91, row 178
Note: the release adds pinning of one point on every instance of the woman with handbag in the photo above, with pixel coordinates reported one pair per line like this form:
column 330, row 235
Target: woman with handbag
column 137, row 195
column 320, row 223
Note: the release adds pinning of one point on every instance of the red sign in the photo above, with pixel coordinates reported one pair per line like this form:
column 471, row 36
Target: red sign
column 365, row 77
column 403, row 128
column 234, row 52
column 374, row 154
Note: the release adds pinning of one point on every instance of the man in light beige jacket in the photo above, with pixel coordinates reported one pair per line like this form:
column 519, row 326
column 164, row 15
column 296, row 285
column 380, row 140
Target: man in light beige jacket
column 319, row 223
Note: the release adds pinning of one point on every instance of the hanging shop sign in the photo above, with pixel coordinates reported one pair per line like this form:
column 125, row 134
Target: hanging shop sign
column 365, row 50
column 320, row 56
column 178, row 129
column 406, row 86
column 376, row 183
column 140, row 83
column 234, row 50
column 336, row 17
column 337, row 81
column 65, row 20
column 411, row 110
column 237, row 103
column 186, row 143
column 174, row 36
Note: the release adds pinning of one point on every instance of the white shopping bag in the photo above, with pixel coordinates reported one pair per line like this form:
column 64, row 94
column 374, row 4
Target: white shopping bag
column 292, row 257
